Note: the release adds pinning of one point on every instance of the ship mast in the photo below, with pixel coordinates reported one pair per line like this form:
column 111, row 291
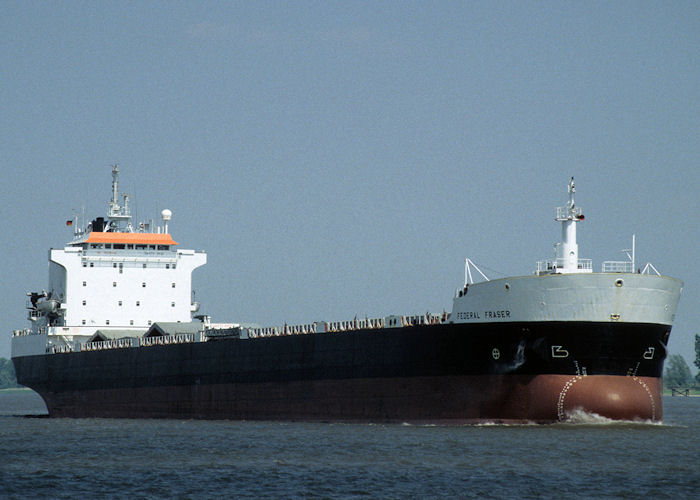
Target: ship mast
column 119, row 216
column 114, row 203
column 567, row 250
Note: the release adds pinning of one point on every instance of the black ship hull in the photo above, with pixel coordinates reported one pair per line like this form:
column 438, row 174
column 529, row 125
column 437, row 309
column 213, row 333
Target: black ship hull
column 540, row 372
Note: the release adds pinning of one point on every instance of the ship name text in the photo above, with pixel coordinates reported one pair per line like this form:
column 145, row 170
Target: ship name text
column 502, row 314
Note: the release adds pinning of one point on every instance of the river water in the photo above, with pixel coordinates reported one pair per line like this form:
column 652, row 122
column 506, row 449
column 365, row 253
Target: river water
column 105, row 458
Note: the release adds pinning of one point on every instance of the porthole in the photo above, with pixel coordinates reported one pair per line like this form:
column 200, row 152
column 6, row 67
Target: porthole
column 618, row 283
column 507, row 286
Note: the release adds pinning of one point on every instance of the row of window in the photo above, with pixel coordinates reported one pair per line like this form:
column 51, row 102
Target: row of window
column 131, row 322
column 121, row 265
column 138, row 303
column 128, row 246
column 143, row 285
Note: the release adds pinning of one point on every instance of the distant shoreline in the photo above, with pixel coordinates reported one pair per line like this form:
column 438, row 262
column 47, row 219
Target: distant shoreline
column 15, row 389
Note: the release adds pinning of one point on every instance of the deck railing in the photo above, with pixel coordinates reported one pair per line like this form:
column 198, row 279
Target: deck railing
column 252, row 333
column 618, row 266
column 550, row 265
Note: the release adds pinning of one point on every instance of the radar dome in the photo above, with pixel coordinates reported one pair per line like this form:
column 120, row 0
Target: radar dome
column 166, row 214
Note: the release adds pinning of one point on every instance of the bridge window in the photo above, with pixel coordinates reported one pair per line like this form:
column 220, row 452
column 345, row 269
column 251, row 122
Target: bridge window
column 119, row 246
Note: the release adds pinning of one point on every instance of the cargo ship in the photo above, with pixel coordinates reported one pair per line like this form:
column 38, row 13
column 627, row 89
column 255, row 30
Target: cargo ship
column 117, row 334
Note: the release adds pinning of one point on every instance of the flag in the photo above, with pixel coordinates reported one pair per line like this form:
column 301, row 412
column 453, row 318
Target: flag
column 69, row 223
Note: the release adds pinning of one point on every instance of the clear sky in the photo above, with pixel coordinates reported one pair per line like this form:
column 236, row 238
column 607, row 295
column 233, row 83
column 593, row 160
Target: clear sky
column 343, row 158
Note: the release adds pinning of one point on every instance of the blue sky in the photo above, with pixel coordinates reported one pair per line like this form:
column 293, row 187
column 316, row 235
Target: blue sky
column 342, row 158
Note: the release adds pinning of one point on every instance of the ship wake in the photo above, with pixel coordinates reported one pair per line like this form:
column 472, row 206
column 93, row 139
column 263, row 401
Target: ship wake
column 579, row 416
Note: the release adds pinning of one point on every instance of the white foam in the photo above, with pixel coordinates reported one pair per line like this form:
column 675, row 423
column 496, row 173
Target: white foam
column 580, row 416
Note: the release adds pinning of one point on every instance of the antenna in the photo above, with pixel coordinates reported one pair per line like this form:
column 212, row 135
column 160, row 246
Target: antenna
column 167, row 215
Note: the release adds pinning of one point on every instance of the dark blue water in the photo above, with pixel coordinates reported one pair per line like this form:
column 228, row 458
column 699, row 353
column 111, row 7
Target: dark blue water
column 101, row 458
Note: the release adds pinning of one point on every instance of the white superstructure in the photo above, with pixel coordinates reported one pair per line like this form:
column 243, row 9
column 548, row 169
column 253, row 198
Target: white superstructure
column 111, row 277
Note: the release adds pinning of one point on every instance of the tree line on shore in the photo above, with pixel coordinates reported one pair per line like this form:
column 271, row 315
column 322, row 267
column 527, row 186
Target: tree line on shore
column 7, row 374
column 677, row 373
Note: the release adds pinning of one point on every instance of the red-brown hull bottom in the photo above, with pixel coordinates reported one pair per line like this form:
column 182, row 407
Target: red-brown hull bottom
column 445, row 399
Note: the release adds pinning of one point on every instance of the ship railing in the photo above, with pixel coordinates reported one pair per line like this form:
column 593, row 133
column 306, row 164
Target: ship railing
column 269, row 331
column 59, row 349
column 277, row 331
column 423, row 319
column 101, row 345
column 300, row 329
column 179, row 338
column 344, row 326
column 566, row 212
column 22, row 332
column 545, row 266
column 28, row 331
column 615, row 266
column 355, row 324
